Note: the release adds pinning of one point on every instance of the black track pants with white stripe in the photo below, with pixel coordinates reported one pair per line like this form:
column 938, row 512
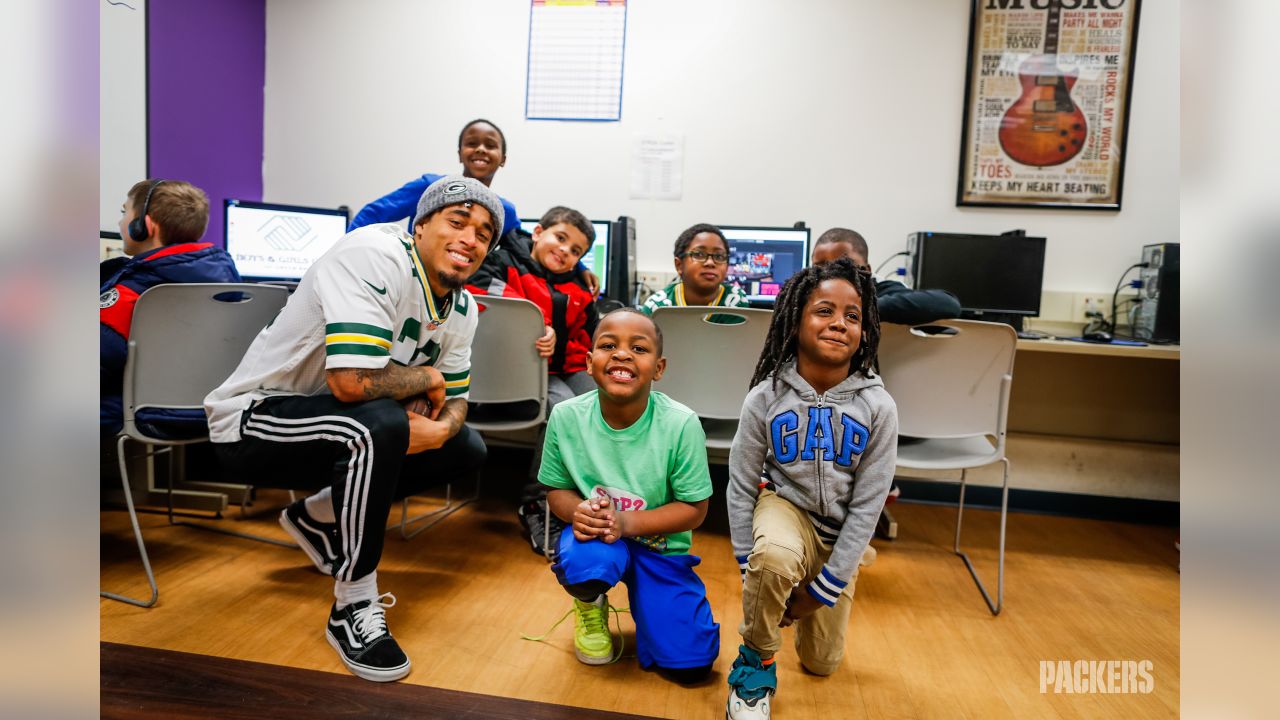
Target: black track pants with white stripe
column 358, row 449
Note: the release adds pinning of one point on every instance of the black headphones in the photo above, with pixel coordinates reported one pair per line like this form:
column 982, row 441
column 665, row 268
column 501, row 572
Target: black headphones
column 138, row 226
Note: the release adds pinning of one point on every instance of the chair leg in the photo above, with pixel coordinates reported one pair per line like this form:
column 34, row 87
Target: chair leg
column 275, row 510
column 887, row 525
column 434, row 516
column 546, row 534
column 998, row 605
column 137, row 533
column 178, row 458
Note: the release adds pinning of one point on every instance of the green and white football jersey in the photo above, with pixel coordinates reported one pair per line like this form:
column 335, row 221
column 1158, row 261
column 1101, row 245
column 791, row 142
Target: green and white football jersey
column 673, row 296
column 363, row 304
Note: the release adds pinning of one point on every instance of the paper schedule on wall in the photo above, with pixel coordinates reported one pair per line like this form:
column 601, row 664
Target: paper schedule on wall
column 575, row 60
column 657, row 167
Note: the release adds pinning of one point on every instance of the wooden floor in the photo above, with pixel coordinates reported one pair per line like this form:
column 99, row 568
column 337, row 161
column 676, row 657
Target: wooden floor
column 921, row 643
column 146, row 684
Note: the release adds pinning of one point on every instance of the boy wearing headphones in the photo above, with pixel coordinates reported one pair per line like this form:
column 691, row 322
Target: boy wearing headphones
column 161, row 222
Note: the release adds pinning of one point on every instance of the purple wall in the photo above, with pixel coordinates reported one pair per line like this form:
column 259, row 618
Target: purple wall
column 206, row 69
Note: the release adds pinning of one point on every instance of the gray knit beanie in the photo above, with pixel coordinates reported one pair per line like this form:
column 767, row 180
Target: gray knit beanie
column 456, row 189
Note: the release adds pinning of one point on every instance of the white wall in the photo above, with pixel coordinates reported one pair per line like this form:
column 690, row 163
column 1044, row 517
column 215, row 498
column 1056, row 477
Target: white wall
column 835, row 112
column 122, row 113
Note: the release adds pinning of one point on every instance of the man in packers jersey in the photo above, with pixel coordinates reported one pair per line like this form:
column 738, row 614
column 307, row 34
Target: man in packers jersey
column 358, row 386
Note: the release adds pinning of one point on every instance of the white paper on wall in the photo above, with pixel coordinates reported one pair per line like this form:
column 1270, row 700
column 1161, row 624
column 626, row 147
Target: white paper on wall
column 575, row 60
column 657, row 167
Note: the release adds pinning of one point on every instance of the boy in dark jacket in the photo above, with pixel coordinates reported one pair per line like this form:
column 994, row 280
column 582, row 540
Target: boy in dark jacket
column 898, row 303
column 161, row 222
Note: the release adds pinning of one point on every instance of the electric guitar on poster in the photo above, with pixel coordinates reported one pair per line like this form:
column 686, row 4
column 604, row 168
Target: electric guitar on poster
column 1044, row 126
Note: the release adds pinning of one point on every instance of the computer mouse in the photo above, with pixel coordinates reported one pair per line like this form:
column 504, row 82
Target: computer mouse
column 1098, row 336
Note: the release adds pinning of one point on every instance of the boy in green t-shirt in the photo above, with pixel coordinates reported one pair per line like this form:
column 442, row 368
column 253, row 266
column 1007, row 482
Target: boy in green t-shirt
column 628, row 469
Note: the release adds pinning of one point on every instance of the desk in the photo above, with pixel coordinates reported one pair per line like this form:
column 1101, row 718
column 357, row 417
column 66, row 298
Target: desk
column 1094, row 390
column 1071, row 347
column 1091, row 419
column 144, row 470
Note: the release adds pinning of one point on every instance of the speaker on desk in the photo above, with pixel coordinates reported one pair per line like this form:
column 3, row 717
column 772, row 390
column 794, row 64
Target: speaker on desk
column 1157, row 317
column 622, row 260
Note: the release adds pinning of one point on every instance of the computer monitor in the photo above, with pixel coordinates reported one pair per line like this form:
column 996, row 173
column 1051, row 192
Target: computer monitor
column 279, row 242
column 995, row 277
column 597, row 258
column 761, row 259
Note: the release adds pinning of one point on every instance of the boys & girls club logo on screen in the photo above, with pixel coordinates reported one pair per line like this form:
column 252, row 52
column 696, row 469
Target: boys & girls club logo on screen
column 1096, row 676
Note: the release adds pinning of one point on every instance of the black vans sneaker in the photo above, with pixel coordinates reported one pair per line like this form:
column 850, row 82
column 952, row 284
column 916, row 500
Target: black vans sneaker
column 318, row 540
column 359, row 633
column 544, row 541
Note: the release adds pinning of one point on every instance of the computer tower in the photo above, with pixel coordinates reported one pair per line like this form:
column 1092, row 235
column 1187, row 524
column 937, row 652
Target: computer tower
column 622, row 261
column 1157, row 318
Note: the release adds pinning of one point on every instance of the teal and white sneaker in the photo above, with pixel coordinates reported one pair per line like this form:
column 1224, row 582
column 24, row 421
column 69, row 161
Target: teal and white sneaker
column 751, row 685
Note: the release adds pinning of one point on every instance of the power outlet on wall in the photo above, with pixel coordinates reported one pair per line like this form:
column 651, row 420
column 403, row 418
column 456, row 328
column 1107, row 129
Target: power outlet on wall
column 654, row 280
column 1090, row 302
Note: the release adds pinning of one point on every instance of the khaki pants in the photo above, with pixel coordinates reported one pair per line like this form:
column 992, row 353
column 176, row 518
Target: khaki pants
column 788, row 554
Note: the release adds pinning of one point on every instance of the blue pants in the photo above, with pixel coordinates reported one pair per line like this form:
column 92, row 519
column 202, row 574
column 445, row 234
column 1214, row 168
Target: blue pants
column 674, row 626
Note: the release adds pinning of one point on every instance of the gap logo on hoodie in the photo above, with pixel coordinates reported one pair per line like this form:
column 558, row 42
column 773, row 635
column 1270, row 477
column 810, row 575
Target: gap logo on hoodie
column 837, row 442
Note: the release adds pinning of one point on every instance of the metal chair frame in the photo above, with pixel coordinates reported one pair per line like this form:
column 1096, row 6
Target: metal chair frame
column 262, row 303
column 498, row 375
column 994, row 364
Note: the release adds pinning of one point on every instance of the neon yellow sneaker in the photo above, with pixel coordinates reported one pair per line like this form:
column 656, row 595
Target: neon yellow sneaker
column 592, row 642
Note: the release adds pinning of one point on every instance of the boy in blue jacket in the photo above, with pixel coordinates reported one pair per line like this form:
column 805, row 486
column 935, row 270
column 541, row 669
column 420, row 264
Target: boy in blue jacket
column 161, row 222
column 482, row 149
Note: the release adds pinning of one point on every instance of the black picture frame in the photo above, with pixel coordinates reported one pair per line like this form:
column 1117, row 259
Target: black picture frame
column 1019, row 100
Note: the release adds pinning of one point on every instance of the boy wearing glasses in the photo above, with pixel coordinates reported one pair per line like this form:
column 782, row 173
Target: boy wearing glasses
column 702, row 260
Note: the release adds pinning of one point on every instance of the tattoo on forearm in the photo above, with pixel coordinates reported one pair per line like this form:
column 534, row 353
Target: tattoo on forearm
column 393, row 381
column 454, row 413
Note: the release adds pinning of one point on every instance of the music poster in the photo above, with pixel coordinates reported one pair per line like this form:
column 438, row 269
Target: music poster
column 1047, row 103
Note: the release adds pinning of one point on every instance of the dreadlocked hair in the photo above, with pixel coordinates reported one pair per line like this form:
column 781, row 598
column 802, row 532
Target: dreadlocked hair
column 781, row 344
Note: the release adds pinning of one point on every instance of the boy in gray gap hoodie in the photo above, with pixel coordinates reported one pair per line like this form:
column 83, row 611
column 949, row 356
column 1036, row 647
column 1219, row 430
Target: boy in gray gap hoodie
column 809, row 471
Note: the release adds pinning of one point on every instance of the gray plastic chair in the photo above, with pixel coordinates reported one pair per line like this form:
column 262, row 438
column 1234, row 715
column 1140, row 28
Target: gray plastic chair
column 709, row 364
column 508, row 377
column 185, row 340
column 952, row 392
column 508, row 386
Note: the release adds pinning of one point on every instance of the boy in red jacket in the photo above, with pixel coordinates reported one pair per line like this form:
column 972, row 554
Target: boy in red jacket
column 541, row 269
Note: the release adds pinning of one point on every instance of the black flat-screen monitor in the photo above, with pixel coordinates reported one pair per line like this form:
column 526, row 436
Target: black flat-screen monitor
column 597, row 258
column 761, row 259
column 992, row 275
column 279, row 242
